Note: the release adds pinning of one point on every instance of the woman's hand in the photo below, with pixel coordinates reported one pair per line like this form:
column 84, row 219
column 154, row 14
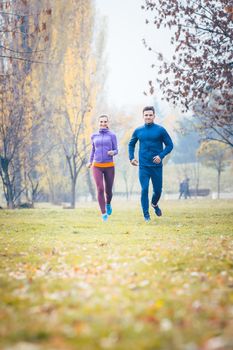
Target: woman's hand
column 111, row 153
column 89, row 165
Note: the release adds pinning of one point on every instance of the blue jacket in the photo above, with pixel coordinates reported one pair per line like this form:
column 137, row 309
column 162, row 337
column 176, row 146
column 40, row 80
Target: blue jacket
column 151, row 138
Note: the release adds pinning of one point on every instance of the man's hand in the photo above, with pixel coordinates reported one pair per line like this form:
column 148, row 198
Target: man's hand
column 111, row 153
column 134, row 162
column 157, row 159
column 89, row 165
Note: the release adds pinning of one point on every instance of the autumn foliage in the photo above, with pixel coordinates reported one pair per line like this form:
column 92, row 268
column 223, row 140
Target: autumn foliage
column 201, row 67
column 50, row 75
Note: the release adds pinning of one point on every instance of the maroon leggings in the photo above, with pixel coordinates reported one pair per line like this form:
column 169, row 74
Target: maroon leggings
column 104, row 178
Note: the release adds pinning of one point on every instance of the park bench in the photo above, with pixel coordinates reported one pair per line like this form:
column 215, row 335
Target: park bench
column 201, row 192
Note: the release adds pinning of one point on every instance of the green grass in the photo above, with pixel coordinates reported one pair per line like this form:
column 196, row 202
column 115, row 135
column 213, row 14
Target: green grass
column 69, row 281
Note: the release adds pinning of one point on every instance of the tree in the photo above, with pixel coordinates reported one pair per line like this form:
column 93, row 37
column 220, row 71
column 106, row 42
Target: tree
column 19, row 122
column 23, row 32
column 201, row 68
column 17, row 105
column 71, row 99
column 215, row 155
column 126, row 171
column 186, row 147
column 79, row 92
column 213, row 118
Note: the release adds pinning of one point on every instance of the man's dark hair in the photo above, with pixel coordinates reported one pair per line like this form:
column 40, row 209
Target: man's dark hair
column 148, row 108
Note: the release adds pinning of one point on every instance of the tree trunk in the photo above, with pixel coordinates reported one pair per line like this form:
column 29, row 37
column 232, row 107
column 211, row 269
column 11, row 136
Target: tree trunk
column 197, row 178
column 73, row 186
column 18, row 179
column 90, row 186
column 9, row 195
column 7, row 185
column 219, row 177
column 52, row 198
column 34, row 192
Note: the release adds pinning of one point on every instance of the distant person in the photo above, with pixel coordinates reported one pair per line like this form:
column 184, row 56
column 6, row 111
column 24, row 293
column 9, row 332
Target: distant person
column 104, row 147
column 152, row 138
column 181, row 189
column 186, row 188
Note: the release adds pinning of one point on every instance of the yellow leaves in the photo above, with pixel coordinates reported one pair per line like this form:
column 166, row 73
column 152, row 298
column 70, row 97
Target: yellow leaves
column 211, row 147
column 81, row 327
column 159, row 304
column 76, row 73
column 153, row 308
column 151, row 314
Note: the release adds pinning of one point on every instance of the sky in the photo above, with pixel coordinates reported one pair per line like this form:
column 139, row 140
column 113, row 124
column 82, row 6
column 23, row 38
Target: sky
column 128, row 61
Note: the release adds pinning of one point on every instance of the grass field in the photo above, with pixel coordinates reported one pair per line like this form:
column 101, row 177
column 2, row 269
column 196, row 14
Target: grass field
column 69, row 281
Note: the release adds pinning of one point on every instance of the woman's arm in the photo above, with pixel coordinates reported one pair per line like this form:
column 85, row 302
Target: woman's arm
column 92, row 151
column 114, row 149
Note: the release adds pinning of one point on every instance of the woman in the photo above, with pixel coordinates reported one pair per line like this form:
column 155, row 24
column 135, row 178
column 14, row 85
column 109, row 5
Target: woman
column 104, row 147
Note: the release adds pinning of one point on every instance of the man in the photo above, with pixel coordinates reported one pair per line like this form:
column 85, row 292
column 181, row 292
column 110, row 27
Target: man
column 186, row 188
column 181, row 189
column 151, row 139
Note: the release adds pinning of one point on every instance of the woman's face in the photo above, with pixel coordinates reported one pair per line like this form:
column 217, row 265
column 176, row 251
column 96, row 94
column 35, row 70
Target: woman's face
column 103, row 123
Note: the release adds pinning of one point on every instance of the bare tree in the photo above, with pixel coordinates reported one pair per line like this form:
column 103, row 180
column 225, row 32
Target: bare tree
column 217, row 156
column 20, row 39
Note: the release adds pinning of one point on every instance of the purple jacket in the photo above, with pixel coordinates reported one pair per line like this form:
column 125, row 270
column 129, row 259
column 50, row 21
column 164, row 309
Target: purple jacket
column 102, row 142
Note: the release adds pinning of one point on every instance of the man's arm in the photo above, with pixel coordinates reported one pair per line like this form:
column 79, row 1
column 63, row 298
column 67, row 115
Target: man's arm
column 168, row 144
column 131, row 147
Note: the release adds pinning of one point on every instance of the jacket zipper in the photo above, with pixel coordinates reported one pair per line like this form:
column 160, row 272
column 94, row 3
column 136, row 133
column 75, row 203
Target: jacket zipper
column 102, row 147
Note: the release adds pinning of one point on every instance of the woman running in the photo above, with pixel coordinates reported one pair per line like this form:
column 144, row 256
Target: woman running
column 104, row 147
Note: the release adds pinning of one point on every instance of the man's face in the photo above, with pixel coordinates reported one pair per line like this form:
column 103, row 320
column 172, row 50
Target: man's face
column 148, row 116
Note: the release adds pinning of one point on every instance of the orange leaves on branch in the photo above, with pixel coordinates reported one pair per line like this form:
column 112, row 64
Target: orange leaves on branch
column 49, row 11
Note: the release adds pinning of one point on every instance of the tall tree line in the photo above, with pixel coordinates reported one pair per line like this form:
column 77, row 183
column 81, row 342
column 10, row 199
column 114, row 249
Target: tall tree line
column 51, row 64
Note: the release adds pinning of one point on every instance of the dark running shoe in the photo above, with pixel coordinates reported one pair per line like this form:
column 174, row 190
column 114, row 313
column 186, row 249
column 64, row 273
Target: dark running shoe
column 157, row 209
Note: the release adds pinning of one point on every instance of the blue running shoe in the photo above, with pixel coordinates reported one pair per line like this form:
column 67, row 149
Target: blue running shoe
column 157, row 209
column 147, row 219
column 105, row 217
column 109, row 209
